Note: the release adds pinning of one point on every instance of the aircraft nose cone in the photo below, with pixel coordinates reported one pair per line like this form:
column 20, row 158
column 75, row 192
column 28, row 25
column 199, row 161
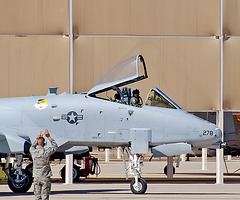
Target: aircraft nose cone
column 218, row 133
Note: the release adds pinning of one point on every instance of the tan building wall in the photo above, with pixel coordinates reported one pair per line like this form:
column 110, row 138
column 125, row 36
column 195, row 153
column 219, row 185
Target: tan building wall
column 185, row 67
column 232, row 74
column 144, row 17
column 32, row 64
column 182, row 68
column 231, row 17
column 34, row 16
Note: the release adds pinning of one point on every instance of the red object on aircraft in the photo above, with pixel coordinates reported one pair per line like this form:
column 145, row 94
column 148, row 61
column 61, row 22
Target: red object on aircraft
column 238, row 117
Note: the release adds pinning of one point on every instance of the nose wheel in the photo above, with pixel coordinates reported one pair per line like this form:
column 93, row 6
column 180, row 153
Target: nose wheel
column 138, row 187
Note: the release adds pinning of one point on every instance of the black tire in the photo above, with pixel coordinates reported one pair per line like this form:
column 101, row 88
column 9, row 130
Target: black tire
column 76, row 173
column 165, row 170
column 142, row 186
column 29, row 167
column 84, row 173
column 22, row 186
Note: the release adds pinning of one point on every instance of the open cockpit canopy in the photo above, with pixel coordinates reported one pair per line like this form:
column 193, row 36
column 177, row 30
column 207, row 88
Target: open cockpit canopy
column 129, row 71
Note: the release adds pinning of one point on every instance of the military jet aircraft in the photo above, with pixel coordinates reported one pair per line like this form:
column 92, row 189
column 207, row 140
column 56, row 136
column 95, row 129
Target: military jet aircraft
column 90, row 119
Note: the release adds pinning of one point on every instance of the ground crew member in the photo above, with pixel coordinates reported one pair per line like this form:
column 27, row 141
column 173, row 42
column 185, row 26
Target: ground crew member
column 41, row 165
column 135, row 99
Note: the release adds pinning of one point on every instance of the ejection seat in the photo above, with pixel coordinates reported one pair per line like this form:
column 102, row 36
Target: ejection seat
column 126, row 95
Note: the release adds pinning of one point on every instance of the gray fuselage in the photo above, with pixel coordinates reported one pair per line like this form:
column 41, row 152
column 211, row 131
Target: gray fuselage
column 81, row 120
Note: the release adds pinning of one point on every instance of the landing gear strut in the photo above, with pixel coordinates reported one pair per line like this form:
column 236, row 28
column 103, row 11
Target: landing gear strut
column 138, row 184
column 19, row 180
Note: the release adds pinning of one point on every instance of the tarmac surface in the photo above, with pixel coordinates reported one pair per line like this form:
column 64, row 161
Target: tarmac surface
column 121, row 191
column 189, row 182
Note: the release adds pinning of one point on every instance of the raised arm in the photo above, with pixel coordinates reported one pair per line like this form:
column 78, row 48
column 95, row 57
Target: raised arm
column 53, row 149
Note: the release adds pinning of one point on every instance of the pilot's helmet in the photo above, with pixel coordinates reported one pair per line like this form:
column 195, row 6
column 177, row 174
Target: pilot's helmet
column 136, row 91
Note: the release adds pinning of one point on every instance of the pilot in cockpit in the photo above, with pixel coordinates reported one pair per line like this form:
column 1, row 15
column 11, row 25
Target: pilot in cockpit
column 136, row 100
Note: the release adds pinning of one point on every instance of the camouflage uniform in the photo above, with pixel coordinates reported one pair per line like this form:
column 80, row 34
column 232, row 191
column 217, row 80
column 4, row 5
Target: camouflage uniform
column 134, row 101
column 41, row 169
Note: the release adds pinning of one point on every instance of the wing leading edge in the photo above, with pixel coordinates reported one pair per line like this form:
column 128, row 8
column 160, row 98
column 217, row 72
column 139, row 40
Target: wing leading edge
column 11, row 142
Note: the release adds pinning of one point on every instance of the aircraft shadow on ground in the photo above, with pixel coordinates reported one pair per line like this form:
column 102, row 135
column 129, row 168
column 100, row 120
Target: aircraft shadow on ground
column 194, row 194
column 98, row 191
column 122, row 191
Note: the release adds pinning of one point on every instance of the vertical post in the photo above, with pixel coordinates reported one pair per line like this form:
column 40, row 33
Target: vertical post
column 221, row 113
column 219, row 166
column 204, row 158
column 106, row 155
column 70, row 48
column 229, row 157
column 219, row 152
column 183, row 157
column 69, row 169
column 69, row 158
column 170, row 167
column 119, row 153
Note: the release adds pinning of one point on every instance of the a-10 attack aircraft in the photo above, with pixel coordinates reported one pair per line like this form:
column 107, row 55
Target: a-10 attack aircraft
column 79, row 121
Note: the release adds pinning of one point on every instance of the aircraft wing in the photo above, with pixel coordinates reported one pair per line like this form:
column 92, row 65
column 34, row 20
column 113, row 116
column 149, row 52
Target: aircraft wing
column 11, row 142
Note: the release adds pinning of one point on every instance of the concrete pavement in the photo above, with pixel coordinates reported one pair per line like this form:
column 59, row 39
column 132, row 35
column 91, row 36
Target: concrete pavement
column 121, row 191
column 189, row 182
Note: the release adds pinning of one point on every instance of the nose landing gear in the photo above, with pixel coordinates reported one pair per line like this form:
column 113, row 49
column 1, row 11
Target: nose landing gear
column 138, row 184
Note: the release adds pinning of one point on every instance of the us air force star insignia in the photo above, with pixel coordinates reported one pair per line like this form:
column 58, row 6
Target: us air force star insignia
column 72, row 117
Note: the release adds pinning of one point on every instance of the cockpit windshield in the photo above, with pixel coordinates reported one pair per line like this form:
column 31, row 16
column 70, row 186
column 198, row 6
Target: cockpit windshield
column 157, row 98
column 128, row 71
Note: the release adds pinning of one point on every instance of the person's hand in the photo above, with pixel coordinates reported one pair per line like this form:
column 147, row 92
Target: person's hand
column 40, row 134
column 47, row 134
